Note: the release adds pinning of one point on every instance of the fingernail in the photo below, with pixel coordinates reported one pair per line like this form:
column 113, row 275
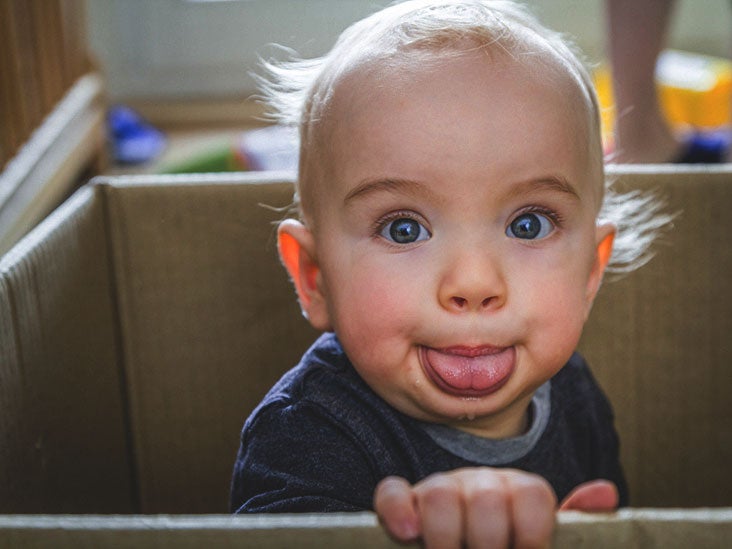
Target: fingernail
column 409, row 530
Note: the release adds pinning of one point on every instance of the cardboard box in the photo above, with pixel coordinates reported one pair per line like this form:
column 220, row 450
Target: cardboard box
column 144, row 319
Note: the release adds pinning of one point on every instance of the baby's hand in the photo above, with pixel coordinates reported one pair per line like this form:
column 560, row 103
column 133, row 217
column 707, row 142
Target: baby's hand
column 480, row 507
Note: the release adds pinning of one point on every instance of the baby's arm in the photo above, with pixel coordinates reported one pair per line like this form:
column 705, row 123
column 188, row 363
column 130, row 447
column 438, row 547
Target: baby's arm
column 294, row 458
column 480, row 507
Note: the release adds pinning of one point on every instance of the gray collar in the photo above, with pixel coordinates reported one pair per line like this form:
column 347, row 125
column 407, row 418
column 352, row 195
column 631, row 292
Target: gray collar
column 488, row 451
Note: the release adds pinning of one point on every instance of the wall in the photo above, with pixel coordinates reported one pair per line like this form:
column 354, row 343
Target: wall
column 183, row 48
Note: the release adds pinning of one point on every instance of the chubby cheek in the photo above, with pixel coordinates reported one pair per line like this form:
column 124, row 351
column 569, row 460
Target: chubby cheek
column 367, row 310
column 375, row 312
column 556, row 326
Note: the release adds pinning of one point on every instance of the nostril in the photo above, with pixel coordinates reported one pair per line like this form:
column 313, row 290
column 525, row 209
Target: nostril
column 459, row 303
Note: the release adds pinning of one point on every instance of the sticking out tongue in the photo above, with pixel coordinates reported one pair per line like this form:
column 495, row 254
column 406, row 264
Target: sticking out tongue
column 473, row 371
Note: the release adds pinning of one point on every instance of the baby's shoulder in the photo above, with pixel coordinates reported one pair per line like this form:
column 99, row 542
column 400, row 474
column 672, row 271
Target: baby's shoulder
column 323, row 384
column 324, row 376
column 575, row 388
column 576, row 373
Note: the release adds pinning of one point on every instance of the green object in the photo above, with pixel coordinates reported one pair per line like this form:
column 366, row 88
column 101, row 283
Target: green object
column 222, row 158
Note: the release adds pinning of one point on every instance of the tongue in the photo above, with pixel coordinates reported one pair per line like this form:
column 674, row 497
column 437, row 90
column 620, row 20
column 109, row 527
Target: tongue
column 459, row 372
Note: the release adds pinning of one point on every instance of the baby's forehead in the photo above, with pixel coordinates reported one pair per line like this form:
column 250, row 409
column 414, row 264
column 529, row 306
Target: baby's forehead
column 352, row 91
column 368, row 100
column 355, row 93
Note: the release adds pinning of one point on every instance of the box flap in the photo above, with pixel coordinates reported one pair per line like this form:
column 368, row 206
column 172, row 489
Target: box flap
column 700, row 529
column 659, row 342
column 209, row 323
column 64, row 434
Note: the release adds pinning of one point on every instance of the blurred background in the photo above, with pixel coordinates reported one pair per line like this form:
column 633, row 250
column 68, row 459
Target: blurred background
column 176, row 49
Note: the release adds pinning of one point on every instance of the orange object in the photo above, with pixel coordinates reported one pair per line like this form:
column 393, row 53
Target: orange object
column 694, row 90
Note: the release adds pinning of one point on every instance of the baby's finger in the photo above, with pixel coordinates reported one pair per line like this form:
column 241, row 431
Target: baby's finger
column 487, row 512
column 394, row 504
column 440, row 506
column 533, row 508
column 596, row 495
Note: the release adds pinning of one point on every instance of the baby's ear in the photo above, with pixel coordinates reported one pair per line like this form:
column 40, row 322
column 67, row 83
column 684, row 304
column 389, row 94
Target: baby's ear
column 605, row 236
column 297, row 252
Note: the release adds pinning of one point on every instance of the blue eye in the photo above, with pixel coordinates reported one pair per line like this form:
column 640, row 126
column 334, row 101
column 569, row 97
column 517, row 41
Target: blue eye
column 530, row 226
column 405, row 231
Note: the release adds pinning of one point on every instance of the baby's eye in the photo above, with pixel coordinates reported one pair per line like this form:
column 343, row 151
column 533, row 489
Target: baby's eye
column 405, row 231
column 530, row 226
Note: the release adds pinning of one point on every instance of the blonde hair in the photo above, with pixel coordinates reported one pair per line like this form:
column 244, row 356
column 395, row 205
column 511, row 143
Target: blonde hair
column 299, row 91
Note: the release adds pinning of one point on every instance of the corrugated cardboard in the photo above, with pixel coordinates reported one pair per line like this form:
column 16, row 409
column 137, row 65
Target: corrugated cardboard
column 142, row 321
column 641, row 528
column 660, row 342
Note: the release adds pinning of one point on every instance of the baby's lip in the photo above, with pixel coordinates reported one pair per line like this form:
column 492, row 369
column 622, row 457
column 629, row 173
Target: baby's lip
column 470, row 351
column 467, row 370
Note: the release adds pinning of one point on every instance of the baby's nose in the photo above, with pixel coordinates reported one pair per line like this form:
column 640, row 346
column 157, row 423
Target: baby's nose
column 472, row 283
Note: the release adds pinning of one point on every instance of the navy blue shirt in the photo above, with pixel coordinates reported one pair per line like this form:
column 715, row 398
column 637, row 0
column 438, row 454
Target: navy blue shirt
column 321, row 440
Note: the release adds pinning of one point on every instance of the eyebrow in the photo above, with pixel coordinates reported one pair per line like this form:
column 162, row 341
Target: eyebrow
column 389, row 184
column 407, row 186
column 548, row 183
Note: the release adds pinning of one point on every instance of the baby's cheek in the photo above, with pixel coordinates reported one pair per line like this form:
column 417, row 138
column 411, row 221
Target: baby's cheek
column 382, row 301
column 564, row 332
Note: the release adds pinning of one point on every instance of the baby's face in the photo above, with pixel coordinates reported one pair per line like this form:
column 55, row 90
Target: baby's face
column 456, row 236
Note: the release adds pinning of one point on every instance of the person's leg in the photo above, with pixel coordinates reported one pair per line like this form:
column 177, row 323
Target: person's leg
column 636, row 35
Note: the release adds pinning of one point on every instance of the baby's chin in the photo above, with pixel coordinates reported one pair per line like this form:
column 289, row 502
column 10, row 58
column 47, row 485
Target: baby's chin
column 480, row 416
column 494, row 427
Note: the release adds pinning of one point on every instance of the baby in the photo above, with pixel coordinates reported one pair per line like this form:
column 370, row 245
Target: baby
column 453, row 232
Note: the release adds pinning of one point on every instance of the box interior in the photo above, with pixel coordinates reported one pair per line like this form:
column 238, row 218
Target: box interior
column 144, row 319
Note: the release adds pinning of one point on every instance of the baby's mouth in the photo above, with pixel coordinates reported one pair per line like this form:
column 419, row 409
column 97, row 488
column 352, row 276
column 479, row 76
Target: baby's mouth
column 468, row 371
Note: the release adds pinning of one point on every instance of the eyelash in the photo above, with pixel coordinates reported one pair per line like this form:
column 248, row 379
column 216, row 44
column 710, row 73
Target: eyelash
column 556, row 218
column 383, row 221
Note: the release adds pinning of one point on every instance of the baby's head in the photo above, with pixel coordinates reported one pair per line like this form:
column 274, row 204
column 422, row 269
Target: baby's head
column 450, row 185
